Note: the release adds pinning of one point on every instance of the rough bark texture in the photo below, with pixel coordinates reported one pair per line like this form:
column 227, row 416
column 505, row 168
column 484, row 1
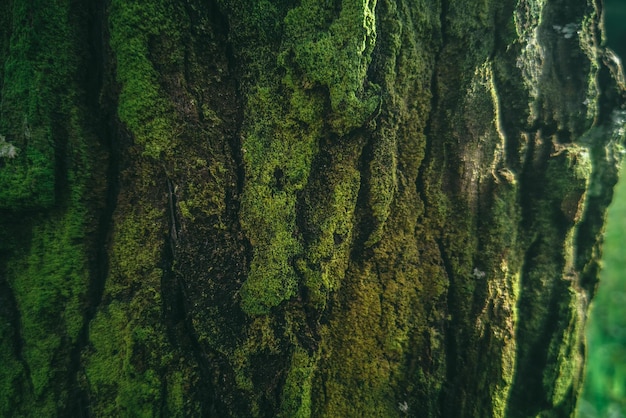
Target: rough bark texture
column 339, row 208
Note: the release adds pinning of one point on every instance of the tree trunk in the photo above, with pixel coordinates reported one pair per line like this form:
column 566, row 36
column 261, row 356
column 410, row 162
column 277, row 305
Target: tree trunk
column 235, row 208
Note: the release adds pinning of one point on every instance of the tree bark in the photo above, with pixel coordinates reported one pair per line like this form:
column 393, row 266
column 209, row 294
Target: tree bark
column 369, row 208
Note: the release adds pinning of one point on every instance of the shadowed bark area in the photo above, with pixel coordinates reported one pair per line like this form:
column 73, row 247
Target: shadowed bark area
column 343, row 208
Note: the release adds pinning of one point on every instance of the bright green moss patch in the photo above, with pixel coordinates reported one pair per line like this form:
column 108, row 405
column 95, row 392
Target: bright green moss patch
column 336, row 55
column 281, row 140
column 278, row 153
column 143, row 106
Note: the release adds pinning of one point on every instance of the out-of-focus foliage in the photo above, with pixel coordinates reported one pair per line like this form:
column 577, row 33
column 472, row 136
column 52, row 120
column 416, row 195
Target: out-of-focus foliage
column 605, row 385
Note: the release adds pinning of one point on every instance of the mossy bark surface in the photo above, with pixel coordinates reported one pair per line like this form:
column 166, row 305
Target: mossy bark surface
column 345, row 208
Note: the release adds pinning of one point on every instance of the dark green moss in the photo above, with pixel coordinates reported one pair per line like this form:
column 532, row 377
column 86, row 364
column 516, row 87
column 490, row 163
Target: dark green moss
column 329, row 207
column 28, row 181
column 12, row 374
column 48, row 184
column 119, row 343
column 134, row 365
column 37, row 67
column 383, row 183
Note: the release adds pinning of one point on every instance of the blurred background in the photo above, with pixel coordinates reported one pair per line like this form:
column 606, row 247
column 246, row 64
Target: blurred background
column 604, row 395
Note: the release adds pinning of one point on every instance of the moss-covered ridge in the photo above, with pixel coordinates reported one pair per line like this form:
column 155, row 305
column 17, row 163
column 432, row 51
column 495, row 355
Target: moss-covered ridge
column 142, row 104
column 50, row 203
column 281, row 139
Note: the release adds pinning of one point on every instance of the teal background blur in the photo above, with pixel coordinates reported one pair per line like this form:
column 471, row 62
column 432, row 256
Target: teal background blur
column 615, row 24
column 604, row 394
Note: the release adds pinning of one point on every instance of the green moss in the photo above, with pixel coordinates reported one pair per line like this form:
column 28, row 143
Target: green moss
column 570, row 172
column 466, row 17
column 132, row 253
column 28, row 182
column 12, row 373
column 47, row 266
column 129, row 353
column 143, row 106
column 358, row 371
column 49, row 283
column 130, row 366
column 336, row 55
column 504, row 271
column 330, row 204
column 281, row 140
column 118, row 339
column 38, row 92
column 278, row 153
column 562, row 377
column 383, row 240
column 261, row 343
column 362, row 368
column 383, row 184
column 204, row 195
column 296, row 394
column 5, row 37
column 176, row 394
